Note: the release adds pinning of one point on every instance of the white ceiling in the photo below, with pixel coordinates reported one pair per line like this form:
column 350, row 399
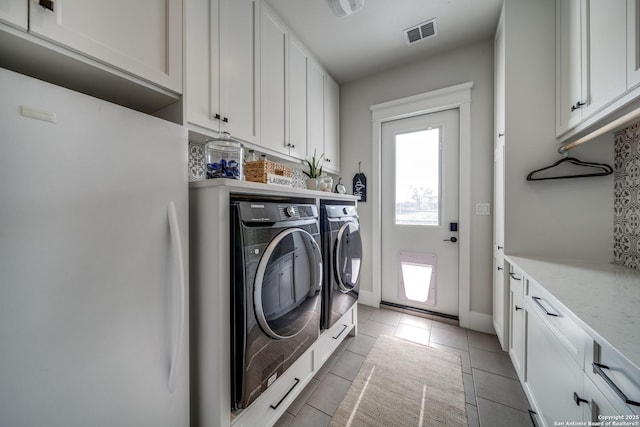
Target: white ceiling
column 372, row 39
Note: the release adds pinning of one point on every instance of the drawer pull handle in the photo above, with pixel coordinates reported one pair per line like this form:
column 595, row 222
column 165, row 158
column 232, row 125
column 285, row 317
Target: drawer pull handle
column 344, row 328
column 547, row 312
column 297, row 381
column 578, row 399
column 514, row 277
column 47, row 4
column 532, row 415
column 598, row 367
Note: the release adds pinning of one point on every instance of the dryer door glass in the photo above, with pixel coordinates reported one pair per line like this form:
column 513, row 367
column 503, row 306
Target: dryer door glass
column 348, row 256
column 288, row 282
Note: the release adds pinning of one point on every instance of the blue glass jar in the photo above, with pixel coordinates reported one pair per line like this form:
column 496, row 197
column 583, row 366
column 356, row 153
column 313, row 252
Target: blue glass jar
column 224, row 158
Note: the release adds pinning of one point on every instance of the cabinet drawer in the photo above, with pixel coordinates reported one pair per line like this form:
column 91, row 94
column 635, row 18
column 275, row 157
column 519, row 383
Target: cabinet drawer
column 598, row 408
column 268, row 408
column 616, row 377
column 555, row 316
column 331, row 338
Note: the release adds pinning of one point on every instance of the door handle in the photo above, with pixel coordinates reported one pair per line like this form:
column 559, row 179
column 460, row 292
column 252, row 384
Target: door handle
column 453, row 239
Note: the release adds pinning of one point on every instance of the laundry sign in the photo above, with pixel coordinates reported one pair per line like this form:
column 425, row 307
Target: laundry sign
column 360, row 186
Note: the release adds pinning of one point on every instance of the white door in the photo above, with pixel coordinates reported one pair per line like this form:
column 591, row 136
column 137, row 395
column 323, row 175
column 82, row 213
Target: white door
column 420, row 174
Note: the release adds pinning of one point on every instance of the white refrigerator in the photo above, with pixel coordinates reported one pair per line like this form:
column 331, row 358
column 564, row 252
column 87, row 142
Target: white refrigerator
column 93, row 256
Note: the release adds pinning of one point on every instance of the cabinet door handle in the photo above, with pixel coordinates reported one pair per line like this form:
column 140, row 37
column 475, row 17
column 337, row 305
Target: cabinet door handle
column 297, row 380
column 598, row 367
column 576, row 106
column 547, row 312
column 344, row 327
column 518, row 308
column 514, row 277
column 578, row 399
column 216, row 116
column 500, row 268
column 47, row 4
column 500, row 248
column 226, row 120
column 500, row 135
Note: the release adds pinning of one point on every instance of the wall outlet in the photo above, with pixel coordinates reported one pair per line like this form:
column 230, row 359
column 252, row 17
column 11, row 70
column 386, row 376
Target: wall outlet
column 483, row 209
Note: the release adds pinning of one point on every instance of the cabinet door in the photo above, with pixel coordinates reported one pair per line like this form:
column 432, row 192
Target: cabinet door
column 606, row 38
column 569, row 64
column 633, row 43
column 273, row 73
column 143, row 38
column 202, row 97
column 517, row 322
column 238, row 81
column 500, row 320
column 315, row 92
column 15, row 12
column 332, row 125
column 552, row 374
column 297, row 100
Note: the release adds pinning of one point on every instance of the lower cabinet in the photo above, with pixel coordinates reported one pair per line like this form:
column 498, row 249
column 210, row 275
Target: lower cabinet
column 570, row 374
column 332, row 337
column 269, row 407
column 552, row 375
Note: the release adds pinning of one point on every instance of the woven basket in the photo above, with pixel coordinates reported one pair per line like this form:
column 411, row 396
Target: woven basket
column 257, row 171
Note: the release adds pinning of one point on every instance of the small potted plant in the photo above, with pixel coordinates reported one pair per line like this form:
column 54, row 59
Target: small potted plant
column 314, row 172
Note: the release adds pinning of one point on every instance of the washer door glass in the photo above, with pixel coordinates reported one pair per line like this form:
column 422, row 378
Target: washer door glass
column 288, row 282
column 348, row 256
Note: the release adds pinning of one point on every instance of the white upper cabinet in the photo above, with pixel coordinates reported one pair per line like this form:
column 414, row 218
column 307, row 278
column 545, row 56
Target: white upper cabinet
column 591, row 59
column 142, row 38
column 633, row 43
column 298, row 122
column 315, row 90
column 331, row 125
column 248, row 75
column 324, row 117
column 273, row 82
column 221, row 86
column 15, row 12
column 606, row 52
column 238, row 83
column 569, row 54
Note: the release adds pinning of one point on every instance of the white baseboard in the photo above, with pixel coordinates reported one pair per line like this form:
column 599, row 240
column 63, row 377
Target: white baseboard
column 481, row 322
column 366, row 298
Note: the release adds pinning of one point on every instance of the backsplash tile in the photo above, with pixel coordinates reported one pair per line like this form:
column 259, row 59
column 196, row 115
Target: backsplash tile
column 626, row 247
column 198, row 167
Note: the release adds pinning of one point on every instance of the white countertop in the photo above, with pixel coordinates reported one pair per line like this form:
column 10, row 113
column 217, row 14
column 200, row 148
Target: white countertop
column 604, row 298
column 248, row 187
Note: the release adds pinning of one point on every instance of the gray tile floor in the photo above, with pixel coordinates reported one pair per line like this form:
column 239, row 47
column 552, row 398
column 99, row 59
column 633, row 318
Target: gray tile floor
column 493, row 393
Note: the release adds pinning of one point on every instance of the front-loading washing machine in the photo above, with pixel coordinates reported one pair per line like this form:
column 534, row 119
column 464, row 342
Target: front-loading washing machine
column 276, row 271
column 342, row 250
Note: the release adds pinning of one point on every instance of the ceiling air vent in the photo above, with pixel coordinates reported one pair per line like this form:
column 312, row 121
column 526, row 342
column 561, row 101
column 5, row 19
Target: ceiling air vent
column 420, row 32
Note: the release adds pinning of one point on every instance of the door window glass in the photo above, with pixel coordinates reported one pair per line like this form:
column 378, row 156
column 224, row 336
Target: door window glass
column 290, row 286
column 417, row 177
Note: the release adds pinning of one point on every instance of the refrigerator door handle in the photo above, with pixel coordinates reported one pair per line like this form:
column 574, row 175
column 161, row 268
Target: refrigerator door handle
column 174, row 229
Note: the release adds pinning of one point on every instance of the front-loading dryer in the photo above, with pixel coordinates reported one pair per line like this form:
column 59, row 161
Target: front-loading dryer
column 342, row 250
column 276, row 270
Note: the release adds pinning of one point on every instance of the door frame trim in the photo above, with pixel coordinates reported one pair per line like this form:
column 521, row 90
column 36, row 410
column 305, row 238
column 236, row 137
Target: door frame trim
column 453, row 97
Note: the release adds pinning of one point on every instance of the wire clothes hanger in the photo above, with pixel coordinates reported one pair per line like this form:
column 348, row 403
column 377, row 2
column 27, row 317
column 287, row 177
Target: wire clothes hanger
column 591, row 169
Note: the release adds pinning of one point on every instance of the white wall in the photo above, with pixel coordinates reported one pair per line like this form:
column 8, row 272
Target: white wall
column 471, row 63
column 570, row 218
